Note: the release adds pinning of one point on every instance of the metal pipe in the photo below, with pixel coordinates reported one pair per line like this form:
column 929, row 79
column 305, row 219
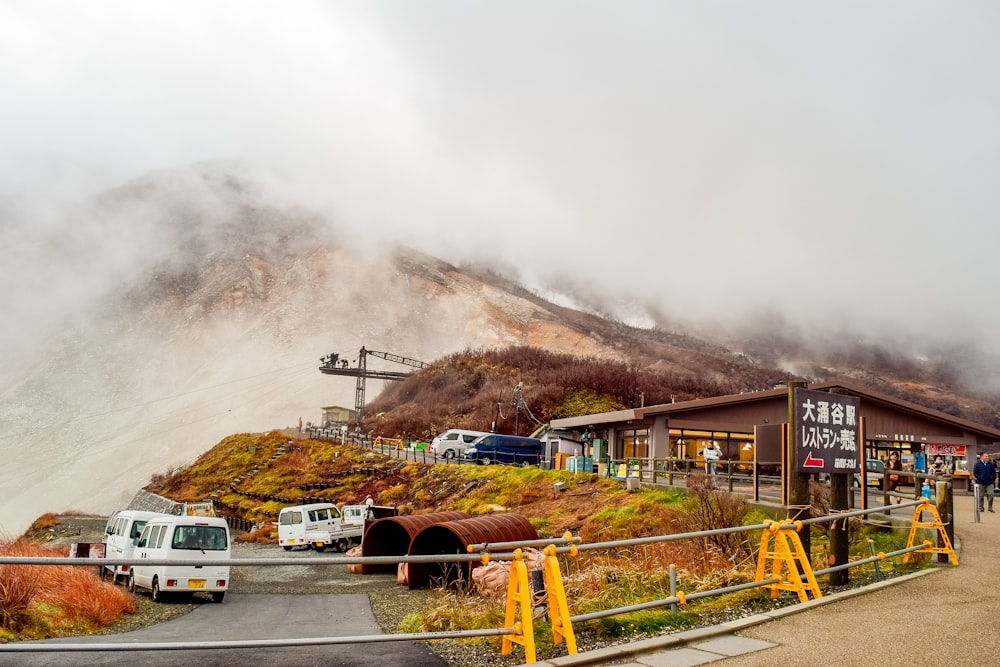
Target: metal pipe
column 265, row 562
column 863, row 561
column 733, row 589
column 485, row 546
column 884, row 509
column 670, row 538
column 671, row 600
column 37, row 647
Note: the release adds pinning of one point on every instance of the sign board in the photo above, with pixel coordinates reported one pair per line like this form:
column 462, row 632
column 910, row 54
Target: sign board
column 946, row 450
column 826, row 432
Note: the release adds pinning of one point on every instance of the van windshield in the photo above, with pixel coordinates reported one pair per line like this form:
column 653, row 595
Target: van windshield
column 202, row 538
column 137, row 527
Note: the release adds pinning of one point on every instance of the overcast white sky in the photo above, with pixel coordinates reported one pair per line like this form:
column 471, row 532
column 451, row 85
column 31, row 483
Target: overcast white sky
column 836, row 162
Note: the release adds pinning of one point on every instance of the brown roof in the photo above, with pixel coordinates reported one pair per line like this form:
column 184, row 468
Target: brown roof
column 768, row 395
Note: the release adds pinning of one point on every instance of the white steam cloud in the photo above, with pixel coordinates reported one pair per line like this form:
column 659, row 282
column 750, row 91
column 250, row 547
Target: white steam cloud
column 697, row 164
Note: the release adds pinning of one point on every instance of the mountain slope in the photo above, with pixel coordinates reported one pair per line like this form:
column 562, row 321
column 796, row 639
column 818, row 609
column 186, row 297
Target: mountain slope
column 203, row 304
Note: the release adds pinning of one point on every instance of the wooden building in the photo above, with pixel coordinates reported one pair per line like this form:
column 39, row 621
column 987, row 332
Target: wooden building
column 681, row 430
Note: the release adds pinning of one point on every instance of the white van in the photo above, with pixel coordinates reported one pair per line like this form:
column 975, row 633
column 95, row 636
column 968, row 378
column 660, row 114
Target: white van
column 452, row 443
column 200, row 538
column 122, row 534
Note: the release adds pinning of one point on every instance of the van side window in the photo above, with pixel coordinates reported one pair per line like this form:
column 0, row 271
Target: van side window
column 156, row 536
column 144, row 539
column 334, row 513
column 469, row 438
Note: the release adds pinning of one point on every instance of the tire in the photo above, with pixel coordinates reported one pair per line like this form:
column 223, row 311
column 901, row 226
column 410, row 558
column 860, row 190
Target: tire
column 486, row 460
column 131, row 582
column 218, row 595
column 155, row 591
column 525, row 464
column 449, row 454
column 342, row 545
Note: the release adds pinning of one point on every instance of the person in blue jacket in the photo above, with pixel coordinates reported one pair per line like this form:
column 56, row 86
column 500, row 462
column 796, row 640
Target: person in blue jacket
column 985, row 473
column 920, row 460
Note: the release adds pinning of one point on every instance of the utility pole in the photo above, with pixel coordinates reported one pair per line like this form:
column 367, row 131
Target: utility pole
column 798, row 483
column 840, row 488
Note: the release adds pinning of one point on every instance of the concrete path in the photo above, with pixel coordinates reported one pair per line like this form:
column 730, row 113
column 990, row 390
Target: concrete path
column 945, row 615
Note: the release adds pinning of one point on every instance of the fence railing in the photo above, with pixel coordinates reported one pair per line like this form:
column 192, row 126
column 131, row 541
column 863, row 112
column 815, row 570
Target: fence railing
column 780, row 555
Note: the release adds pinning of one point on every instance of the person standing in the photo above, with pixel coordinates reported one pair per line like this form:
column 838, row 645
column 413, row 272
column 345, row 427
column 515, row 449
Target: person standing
column 711, row 455
column 985, row 473
column 895, row 465
column 938, row 466
column 920, row 460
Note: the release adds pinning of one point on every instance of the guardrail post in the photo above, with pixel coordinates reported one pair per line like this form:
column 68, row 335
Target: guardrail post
column 673, row 588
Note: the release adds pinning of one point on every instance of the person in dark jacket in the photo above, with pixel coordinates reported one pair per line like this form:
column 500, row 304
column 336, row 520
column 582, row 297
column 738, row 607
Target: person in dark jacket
column 985, row 472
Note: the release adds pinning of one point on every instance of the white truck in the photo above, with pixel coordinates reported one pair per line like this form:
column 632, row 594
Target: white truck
column 321, row 526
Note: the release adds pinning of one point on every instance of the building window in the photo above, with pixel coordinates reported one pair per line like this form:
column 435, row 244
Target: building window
column 635, row 443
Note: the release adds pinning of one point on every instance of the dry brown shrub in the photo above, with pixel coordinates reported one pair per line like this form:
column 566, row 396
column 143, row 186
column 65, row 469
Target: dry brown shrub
column 266, row 534
column 19, row 586
column 77, row 592
column 707, row 509
column 48, row 520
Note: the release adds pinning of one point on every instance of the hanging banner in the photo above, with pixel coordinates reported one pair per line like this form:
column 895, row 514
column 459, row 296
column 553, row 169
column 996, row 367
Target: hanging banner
column 826, row 432
column 946, row 450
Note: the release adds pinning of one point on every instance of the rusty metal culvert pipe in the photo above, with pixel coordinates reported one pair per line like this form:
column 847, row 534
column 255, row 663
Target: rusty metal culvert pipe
column 453, row 537
column 391, row 536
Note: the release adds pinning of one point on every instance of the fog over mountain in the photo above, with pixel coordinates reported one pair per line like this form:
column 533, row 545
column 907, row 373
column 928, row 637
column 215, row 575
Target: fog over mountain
column 204, row 195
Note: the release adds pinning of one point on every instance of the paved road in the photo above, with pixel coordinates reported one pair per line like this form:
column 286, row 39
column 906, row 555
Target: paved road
column 252, row 617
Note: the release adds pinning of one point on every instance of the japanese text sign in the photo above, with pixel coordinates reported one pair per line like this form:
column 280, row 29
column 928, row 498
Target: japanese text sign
column 826, row 432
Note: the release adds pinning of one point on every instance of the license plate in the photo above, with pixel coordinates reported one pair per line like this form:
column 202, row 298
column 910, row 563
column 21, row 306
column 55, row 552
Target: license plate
column 196, row 583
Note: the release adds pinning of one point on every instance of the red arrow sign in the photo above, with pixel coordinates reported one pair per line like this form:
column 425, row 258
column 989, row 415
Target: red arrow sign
column 810, row 462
